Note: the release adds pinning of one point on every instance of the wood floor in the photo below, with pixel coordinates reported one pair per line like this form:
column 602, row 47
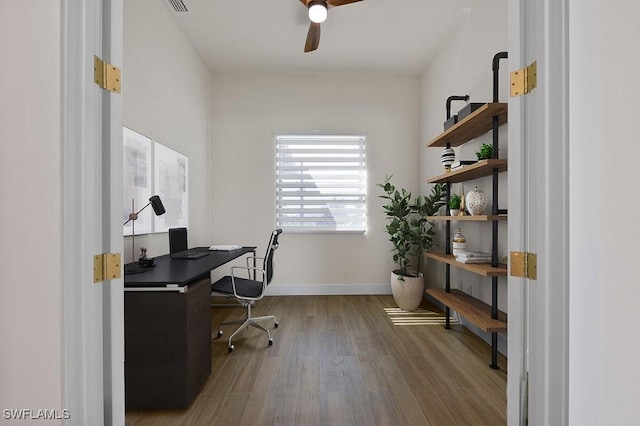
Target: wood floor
column 343, row 360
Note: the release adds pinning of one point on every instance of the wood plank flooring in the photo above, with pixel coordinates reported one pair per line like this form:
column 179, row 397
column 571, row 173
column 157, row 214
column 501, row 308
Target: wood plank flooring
column 341, row 360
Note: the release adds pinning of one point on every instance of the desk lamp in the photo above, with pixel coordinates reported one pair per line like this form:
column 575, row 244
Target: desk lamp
column 158, row 208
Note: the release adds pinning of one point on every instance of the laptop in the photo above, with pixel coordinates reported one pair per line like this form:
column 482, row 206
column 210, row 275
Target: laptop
column 179, row 247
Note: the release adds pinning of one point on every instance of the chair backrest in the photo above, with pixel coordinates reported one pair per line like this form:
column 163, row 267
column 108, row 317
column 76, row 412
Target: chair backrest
column 268, row 257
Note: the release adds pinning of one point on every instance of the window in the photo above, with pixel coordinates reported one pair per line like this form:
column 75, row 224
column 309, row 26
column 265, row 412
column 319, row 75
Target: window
column 321, row 183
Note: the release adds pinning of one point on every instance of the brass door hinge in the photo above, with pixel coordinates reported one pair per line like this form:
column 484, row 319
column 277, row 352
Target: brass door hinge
column 106, row 266
column 106, row 75
column 524, row 80
column 524, row 265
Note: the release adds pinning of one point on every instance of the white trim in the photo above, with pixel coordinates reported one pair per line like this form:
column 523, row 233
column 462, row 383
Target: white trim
column 82, row 357
column 516, row 304
column 112, row 166
column 327, row 289
column 539, row 215
column 93, row 357
column 553, row 230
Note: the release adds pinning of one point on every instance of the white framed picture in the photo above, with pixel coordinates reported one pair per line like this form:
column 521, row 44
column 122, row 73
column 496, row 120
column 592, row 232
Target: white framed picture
column 151, row 168
column 171, row 178
column 137, row 181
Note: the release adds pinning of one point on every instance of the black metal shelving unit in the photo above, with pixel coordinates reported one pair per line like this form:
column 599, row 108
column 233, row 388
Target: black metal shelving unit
column 487, row 118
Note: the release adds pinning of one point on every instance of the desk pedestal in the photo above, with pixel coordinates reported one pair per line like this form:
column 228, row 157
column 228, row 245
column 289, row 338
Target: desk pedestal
column 167, row 346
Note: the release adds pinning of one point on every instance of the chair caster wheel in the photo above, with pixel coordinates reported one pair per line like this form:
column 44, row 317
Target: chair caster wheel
column 230, row 348
column 219, row 333
column 270, row 342
column 275, row 325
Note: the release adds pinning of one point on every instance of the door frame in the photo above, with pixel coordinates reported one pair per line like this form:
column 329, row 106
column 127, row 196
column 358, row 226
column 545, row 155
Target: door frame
column 93, row 321
column 538, row 375
column 94, row 367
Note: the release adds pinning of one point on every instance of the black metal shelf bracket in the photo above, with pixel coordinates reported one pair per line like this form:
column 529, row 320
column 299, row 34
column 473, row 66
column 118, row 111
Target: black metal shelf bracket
column 494, row 209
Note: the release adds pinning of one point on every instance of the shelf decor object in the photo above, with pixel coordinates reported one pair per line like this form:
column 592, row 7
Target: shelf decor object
column 454, row 205
column 485, row 152
column 459, row 242
column 473, row 121
column 476, row 202
column 447, row 158
column 468, row 109
column 451, row 120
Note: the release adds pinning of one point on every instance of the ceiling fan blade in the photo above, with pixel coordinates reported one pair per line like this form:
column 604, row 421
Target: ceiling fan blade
column 313, row 38
column 335, row 3
column 304, row 2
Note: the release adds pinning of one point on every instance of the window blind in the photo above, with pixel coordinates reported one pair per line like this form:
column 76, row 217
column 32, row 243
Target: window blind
column 321, row 183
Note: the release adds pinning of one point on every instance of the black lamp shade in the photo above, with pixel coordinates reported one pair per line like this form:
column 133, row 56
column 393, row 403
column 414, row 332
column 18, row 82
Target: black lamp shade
column 157, row 205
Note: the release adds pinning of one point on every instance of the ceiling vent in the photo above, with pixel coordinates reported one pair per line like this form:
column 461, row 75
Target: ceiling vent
column 177, row 5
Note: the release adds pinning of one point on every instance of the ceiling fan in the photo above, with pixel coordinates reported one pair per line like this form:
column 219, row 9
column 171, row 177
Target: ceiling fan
column 317, row 15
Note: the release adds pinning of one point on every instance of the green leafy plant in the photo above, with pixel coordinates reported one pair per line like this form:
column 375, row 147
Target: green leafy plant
column 409, row 231
column 454, row 202
column 485, row 152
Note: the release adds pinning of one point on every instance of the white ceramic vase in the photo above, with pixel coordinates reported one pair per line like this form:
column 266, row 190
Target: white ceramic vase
column 408, row 291
column 476, row 202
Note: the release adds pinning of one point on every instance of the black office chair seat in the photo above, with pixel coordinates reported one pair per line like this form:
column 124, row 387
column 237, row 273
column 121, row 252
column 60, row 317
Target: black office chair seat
column 244, row 287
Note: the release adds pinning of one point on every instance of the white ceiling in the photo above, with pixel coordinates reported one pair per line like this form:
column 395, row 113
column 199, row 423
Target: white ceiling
column 390, row 36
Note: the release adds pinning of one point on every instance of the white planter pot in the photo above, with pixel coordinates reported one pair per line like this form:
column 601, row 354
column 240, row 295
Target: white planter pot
column 408, row 291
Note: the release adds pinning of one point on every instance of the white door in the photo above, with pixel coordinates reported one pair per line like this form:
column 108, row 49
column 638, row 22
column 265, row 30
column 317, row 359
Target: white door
column 92, row 123
column 537, row 390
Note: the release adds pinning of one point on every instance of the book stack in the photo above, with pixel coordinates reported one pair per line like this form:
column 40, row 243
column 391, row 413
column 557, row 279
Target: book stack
column 460, row 163
column 473, row 257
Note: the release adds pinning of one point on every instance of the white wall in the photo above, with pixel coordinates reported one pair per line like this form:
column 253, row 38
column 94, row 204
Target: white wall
column 604, row 375
column 249, row 109
column 31, row 220
column 166, row 91
column 463, row 66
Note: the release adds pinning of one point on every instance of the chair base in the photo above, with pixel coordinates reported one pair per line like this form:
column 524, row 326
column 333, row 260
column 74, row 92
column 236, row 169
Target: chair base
column 249, row 321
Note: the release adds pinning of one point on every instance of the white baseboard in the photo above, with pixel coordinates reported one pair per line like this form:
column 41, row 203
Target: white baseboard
column 326, row 289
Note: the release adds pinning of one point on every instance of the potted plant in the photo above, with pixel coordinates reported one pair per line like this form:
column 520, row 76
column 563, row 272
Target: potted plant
column 454, row 205
column 411, row 234
column 485, row 152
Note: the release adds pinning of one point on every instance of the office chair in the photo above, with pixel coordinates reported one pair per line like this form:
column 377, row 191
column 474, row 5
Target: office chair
column 247, row 291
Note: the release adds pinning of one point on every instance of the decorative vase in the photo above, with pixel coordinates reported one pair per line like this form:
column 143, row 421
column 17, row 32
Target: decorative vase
column 454, row 212
column 407, row 291
column 459, row 242
column 447, row 158
column 476, row 202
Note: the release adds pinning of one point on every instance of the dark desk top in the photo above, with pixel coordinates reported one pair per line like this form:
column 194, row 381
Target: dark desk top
column 181, row 272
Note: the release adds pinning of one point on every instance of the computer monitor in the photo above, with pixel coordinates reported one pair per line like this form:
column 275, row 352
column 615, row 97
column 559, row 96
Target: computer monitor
column 177, row 240
column 179, row 247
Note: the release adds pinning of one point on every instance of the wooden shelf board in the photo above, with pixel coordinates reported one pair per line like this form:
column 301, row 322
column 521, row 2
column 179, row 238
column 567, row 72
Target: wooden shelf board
column 484, row 269
column 475, row 124
column 474, row 310
column 475, row 218
column 474, row 171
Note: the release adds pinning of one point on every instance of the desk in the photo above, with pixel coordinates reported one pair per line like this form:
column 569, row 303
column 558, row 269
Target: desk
column 167, row 330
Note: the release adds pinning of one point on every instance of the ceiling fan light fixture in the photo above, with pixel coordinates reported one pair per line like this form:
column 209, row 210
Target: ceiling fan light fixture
column 317, row 11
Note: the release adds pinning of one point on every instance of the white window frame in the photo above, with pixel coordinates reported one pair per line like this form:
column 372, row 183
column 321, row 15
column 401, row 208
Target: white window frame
column 331, row 192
